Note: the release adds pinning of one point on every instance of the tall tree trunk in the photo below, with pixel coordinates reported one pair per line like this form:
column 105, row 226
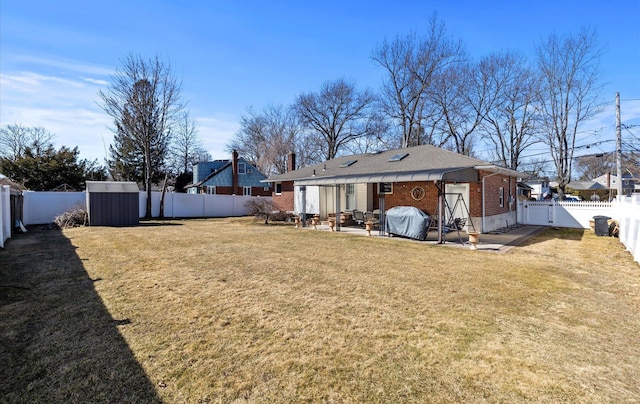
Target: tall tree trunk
column 148, row 177
column 164, row 188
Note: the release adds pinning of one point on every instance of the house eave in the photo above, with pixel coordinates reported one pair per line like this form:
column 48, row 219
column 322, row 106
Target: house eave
column 501, row 170
column 463, row 174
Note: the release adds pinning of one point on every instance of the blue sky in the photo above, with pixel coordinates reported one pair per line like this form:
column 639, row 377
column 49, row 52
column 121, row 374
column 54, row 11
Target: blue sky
column 55, row 56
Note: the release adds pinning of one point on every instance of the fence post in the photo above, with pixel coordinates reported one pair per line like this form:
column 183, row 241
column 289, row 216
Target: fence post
column 5, row 214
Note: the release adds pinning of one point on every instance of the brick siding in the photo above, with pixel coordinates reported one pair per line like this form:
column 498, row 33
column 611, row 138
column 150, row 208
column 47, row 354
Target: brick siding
column 284, row 201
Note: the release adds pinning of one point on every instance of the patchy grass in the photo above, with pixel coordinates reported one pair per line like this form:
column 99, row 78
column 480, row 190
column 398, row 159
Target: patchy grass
column 227, row 310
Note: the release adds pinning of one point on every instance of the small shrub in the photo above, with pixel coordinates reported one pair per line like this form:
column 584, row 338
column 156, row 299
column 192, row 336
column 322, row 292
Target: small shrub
column 281, row 216
column 260, row 208
column 75, row 217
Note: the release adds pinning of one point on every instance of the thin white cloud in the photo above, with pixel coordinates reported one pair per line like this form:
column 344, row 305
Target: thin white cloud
column 605, row 121
column 66, row 106
column 216, row 132
column 63, row 64
column 29, row 82
column 96, row 81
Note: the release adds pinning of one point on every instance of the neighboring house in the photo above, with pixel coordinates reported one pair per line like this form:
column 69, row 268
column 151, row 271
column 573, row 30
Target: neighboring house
column 524, row 191
column 586, row 190
column 610, row 181
column 585, row 185
column 539, row 188
column 228, row 177
column 422, row 176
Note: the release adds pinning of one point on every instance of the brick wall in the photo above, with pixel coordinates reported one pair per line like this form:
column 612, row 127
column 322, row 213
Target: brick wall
column 492, row 194
column 401, row 196
column 255, row 191
column 284, row 201
column 260, row 191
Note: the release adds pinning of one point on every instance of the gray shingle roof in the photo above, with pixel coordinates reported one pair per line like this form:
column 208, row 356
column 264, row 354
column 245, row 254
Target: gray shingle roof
column 421, row 163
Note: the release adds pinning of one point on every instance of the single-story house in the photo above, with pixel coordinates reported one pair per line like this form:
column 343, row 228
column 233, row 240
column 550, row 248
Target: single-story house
column 441, row 183
column 228, row 177
column 524, row 190
column 630, row 184
column 585, row 190
column 540, row 188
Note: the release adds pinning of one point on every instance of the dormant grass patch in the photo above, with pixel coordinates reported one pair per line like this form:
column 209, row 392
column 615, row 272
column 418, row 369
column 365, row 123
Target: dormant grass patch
column 226, row 310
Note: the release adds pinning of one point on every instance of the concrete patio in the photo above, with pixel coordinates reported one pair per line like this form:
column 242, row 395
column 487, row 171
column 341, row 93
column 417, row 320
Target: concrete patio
column 501, row 240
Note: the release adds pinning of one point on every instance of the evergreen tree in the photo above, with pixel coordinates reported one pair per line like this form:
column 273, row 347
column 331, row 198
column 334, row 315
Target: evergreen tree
column 45, row 168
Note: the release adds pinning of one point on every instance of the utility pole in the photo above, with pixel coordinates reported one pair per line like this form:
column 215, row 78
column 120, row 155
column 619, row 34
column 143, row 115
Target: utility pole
column 618, row 145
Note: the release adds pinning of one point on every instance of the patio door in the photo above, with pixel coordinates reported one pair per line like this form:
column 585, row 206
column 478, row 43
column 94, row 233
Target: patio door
column 452, row 193
column 327, row 201
column 350, row 197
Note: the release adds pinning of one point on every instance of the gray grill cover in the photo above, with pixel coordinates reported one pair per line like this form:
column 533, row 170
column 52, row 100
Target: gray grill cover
column 407, row 221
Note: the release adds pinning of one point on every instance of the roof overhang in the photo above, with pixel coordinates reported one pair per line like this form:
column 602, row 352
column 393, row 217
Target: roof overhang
column 501, row 170
column 462, row 174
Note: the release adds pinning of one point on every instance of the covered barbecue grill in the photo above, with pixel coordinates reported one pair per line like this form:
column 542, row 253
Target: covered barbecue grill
column 407, row 221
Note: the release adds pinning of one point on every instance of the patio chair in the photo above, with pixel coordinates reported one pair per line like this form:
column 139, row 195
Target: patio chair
column 370, row 217
column 459, row 222
column 358, row 217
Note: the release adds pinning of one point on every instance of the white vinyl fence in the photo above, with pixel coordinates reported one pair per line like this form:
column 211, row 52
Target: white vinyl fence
column 43, row 207
column 564, row 214
column 5, row 214
column 197, row 205
column 629, row 218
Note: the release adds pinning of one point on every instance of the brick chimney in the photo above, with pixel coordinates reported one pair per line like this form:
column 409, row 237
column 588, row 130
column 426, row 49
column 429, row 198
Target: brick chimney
column 291, row 162
column 234, row 171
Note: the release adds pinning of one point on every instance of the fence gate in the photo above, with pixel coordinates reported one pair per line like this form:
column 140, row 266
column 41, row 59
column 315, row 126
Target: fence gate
column 538, row 213
column 562, row 214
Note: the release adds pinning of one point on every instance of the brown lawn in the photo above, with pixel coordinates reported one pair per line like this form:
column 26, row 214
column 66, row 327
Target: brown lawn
column 225, row 310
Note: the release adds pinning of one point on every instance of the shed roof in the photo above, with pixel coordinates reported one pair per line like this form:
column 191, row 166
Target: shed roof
column 112, row 187
column 419, row 163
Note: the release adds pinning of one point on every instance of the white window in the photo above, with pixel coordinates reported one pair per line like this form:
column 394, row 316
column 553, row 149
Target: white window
column 501, row 196
column 242, row 168
column 385, row 188
column 351, row 196
column 246, row 191
column 278, row 188
column 211, row 190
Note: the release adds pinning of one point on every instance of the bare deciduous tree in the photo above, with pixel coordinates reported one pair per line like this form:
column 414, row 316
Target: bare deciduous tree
column 411, row 64
column 592, row 166
column 511, row 124
column 15, row 139
column 337, row 115
column 267, row 137
column 250, row 141
column 463, row 97
column 144, row 102
column 186, row 146
column 569, row 94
